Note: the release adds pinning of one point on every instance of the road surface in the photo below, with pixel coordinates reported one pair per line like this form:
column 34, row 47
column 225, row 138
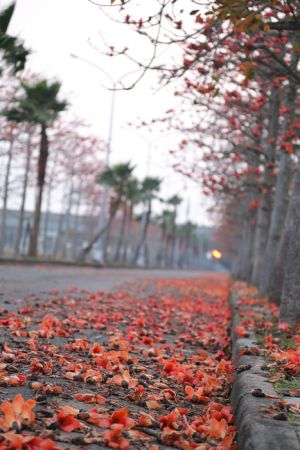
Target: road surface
column 20, row 281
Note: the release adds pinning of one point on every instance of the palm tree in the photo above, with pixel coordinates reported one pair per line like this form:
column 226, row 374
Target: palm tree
column 149, row 187
column 13, row 52
column 117, row 178
column 39, row 106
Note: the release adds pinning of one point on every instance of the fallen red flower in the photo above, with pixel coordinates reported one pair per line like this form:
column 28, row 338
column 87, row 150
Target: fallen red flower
column 66, row 419
column 114, row 438
column 17, row 413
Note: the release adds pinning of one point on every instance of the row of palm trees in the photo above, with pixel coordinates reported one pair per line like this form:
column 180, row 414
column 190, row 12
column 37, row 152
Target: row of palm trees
column 127, row 193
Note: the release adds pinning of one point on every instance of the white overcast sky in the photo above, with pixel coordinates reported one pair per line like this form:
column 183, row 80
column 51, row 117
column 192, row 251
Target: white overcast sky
column 53, row 29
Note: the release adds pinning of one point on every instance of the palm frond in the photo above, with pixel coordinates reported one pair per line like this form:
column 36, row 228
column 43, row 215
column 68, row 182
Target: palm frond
column 13, row 51
column 5, row 17
column 39, row 104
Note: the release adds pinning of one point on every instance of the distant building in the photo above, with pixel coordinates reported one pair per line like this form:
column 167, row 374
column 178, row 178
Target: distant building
column 63, row 236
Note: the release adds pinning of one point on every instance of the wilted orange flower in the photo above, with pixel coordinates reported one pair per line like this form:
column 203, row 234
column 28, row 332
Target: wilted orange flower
column 170, row 420
column 216, row 429
column 18, row 412
column 91, row 398
column 240, row 331
column 114, row 438
column 145, row 420
column 96, row 349
column 125, row 379
column 21, row 441
column 118, row 417
column 196, row 395
column 224, row 367
column 67, row 420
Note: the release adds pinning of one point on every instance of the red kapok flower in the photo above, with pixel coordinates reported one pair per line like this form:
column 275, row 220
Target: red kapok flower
column 114, row 438
column 16, row 413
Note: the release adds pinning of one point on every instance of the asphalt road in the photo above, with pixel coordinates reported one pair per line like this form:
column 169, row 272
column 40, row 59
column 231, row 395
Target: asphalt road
column 19, row 281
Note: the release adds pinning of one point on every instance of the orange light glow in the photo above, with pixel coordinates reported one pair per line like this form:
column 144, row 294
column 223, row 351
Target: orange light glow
column 216, row 254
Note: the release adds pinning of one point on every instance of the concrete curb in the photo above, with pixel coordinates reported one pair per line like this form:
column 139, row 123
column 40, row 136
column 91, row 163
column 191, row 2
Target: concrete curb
column 255, row 430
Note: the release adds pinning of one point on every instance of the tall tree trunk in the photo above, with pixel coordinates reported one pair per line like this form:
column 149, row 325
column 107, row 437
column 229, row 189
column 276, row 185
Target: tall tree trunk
column 26, row 238
column 280, row 202
column 103, row 230
column 5, row 196
column 236, row 266
column 24, row 194
column 277, row 222
column 168, row 247
column 127, row 234
column 61, row 218
column 122, row 233
column 173, row 242
column 244, row 244
column 147, row 256
column 67, row 220
column 172, row 253
column 59, row 234
column 261, row 236
column 243, row 239
column 247, row 217
column 42, row 165
column 90, row 227
column 76, row 223
column 107, row 236
column 247, row 247
column 161, row 249
column 186, row 262
column 47, row 214
column 290, row 299
column 176, row 251
column 264, row 212
column 276, row 283
column 180, row 254
column 143, row 239
column 249, row 268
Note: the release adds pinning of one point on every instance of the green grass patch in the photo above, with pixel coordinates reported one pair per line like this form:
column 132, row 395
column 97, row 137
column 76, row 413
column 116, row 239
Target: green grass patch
column 282, row 386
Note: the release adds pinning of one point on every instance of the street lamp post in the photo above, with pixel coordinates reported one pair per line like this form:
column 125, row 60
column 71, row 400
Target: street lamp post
column 99, row 254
